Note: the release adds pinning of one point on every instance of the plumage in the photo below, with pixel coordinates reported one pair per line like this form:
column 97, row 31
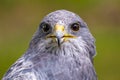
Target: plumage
column 57, row 53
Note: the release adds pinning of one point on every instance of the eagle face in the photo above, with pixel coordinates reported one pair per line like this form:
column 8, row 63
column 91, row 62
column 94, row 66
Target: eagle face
column 62, row 27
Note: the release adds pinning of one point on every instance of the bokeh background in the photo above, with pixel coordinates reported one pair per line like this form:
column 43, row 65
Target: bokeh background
column 19, row 20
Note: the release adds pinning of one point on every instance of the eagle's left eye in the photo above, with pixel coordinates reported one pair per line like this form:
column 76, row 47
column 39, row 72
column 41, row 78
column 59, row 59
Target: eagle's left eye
column 75, row 26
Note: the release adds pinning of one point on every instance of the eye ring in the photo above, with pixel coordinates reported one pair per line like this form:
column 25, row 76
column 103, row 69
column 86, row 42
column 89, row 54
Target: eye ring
column 45, row 27
column 75, row 27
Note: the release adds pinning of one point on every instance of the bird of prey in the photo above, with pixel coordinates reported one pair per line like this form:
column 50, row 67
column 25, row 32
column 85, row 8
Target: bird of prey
column 62, row 48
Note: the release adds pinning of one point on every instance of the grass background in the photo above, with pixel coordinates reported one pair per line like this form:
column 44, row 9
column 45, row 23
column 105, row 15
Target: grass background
column 19, row 20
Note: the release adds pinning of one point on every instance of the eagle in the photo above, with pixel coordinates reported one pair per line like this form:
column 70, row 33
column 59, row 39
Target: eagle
column 62, row 48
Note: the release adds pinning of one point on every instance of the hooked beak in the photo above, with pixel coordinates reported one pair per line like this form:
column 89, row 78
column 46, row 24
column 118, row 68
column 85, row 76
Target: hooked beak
column 60, row 34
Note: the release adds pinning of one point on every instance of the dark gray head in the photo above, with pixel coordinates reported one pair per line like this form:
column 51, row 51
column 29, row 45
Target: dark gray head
column 61, row 28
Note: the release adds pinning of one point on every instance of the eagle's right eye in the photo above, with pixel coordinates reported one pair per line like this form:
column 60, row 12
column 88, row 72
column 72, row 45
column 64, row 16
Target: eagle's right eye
column 45, row 27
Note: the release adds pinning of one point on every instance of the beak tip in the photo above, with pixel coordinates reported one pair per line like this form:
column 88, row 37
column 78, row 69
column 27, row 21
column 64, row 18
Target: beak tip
column 58, row 42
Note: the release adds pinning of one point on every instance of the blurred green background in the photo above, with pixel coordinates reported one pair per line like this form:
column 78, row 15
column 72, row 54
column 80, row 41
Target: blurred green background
column 19, row 20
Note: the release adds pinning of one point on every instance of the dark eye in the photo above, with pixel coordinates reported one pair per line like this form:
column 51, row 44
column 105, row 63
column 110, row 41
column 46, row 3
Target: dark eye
column 75, row 26
column 45, row 27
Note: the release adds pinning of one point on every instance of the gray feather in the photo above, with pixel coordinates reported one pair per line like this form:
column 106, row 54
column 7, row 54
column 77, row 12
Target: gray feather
column 44, row 60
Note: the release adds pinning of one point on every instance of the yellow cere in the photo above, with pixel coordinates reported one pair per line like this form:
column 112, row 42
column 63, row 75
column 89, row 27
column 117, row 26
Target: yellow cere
column 59, row 27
